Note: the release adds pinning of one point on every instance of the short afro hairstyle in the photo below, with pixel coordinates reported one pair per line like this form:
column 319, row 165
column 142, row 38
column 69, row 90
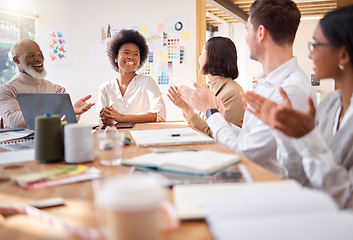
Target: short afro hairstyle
column 126, row 36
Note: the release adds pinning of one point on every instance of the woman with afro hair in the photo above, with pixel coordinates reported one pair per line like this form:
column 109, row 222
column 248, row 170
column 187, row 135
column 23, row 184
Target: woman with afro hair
column 130, row 97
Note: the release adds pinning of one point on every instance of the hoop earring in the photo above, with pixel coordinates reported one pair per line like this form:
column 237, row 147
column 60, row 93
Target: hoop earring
column 116, row 61
column 341, row 66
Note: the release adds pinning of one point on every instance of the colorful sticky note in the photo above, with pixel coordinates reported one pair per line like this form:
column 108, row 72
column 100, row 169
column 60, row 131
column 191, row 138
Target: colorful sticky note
column 143, row 29
column 158, row 53
column 161, row 27
column 185, row 36
column 165, row 58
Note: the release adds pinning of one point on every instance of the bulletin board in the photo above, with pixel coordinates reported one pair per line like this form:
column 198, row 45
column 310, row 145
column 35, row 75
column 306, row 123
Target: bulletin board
column 165, row 40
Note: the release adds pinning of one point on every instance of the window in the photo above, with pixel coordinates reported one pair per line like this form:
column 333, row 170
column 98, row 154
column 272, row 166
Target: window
column 12, row 29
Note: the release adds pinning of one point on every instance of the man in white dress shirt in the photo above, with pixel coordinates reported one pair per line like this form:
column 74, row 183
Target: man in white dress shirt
column 271, row 29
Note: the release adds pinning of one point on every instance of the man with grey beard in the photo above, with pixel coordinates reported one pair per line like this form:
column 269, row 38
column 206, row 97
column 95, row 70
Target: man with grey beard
column 29, row 60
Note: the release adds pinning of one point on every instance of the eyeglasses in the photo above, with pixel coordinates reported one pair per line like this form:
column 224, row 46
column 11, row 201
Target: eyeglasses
column 312, row 45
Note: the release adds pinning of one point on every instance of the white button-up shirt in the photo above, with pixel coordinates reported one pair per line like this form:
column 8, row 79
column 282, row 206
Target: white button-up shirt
column 142, row 96
column 328, row 160
column 255, row 140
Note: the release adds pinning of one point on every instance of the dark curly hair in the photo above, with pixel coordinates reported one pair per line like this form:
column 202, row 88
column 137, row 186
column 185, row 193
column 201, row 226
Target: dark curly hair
column 126, row 36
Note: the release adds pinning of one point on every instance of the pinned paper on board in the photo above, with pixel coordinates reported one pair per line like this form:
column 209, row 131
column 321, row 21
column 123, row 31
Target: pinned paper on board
column 150, row 57
column 135, row 27
column 143, row 29
column 176, row 24
column 185, row 35
column 161, row 27
column 106, row 32
column 173, row 48
column 155, row 41
column 163, row 76
column 60, row 47
column 146, row 69
column 165, row 41
column 181, row 54
column 165, row 57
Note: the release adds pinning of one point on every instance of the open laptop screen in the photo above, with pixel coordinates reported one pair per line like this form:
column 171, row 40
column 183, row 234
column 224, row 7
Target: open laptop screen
column 36, row 104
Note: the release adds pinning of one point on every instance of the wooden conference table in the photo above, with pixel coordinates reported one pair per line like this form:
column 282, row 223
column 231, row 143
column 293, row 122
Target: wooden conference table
column 79, row 208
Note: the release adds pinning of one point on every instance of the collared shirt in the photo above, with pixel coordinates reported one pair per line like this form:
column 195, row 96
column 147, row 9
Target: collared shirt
column 255, row 140
column 10, row 110
column 327, row 153
column 142, row 95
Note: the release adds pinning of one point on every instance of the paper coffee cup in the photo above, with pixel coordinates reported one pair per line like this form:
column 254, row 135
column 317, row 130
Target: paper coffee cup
column 129, row 206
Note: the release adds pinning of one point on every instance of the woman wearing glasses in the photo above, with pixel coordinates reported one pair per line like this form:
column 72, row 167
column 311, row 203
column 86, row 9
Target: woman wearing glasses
column 324, row 141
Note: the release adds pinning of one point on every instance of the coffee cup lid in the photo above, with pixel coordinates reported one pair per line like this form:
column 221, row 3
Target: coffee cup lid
column 133, row 192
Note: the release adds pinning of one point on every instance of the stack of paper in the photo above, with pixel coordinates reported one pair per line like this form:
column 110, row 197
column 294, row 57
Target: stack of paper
column 61, row 174
column 11, row 135
column 287, row 214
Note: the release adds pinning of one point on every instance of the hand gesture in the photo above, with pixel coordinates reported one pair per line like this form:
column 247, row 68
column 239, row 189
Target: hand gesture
column 106, row 116
column 220, row 106
column 175, row 97
column 282, row 116
column 200, row 98
column 81, row 106
column 295, row 123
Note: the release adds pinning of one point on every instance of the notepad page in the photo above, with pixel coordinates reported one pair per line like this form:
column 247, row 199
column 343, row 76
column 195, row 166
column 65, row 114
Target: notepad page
column 187, row 197
column 308, row 226
column 171, row 136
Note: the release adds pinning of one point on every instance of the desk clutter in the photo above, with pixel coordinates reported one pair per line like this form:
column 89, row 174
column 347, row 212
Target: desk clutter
column 59, row 175
column 207, row 185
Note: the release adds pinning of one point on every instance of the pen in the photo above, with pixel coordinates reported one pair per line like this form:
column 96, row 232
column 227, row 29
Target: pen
column 11, row 130
column 176, row 135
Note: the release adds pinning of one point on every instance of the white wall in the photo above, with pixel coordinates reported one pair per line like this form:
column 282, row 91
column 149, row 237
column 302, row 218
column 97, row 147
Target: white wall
column 249, row 68
column 301, row 50
column 85, row 18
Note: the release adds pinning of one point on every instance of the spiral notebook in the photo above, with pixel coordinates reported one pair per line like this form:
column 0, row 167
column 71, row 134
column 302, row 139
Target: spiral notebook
column 18, row 145
column 10, row 135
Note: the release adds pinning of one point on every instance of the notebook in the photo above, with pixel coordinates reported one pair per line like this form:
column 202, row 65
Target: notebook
column 289, row 214
column 170, row 136
column 186, row 197
column 36, row 104
column 204, row 162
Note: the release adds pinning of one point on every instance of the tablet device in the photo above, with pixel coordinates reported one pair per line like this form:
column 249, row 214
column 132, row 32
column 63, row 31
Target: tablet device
column 124, row 125
column 37, row 104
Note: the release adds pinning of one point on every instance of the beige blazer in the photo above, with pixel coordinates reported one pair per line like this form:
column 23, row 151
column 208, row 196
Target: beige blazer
column 229, row 92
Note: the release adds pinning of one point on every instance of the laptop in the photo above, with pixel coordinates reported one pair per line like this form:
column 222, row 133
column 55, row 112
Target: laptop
column 37, row 104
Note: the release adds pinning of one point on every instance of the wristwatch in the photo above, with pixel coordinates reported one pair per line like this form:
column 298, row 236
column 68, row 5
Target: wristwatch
column 211, row 111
